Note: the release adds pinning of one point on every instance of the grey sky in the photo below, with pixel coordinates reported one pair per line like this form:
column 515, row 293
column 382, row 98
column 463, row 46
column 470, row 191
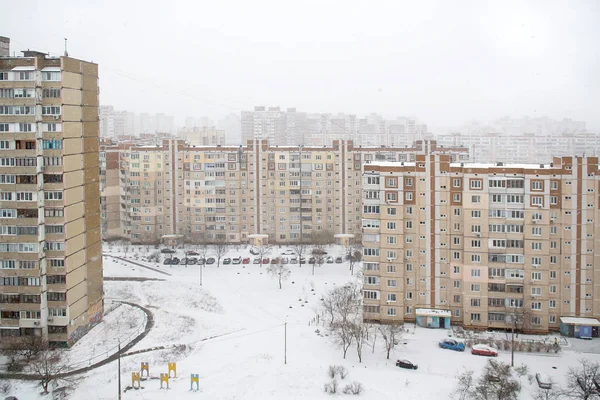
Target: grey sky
column 444, row 62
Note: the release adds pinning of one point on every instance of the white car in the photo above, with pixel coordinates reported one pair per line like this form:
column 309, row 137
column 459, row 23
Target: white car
column 288, row 253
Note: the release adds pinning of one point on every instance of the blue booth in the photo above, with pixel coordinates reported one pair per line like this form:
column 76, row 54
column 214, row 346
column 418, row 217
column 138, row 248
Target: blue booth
column 432, row 318
column 583, row 328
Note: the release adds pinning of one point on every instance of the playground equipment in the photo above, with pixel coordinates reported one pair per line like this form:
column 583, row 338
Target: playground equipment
column 173, row 367
column 164, row 378
column 195, row 378
column 135, row 377
column 145, row 367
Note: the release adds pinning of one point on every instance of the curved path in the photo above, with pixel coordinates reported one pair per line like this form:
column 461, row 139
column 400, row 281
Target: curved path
column 113, row 357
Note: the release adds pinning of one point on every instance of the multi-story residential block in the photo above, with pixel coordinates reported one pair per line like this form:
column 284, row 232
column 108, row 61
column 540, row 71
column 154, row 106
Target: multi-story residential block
column 50, row 240
column 488, row 242
column 204, row 136
column 528, row 148
column 223, row 192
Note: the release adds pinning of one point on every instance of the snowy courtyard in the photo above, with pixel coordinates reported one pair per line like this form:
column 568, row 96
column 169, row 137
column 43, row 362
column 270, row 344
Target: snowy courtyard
column 231, row 331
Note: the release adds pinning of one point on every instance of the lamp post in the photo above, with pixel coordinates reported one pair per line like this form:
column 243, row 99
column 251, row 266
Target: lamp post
column 285, row 341
column 119, row 366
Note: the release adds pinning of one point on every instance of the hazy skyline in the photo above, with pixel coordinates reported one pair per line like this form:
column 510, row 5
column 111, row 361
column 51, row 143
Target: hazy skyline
column 443, row 62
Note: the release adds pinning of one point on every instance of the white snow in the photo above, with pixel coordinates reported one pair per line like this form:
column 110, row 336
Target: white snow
column 428, row 312
column 234, row 331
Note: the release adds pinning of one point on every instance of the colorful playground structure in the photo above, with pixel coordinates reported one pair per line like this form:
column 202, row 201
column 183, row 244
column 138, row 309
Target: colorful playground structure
column 138, row 377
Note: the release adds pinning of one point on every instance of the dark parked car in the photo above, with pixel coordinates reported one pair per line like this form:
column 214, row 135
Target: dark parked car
column 226, row 261
column 167, row 251
column 452, row 344
column 191, row 260
column 404, row 363
column 266, row 260
column 294, row 260
column 175, row 261
column 246, row 260
column 319, row 252
column 312, row 260
column 201, row 261
column 338, row 260
column 192, row 253
column 167, row 261
column 302, row 260
column 483, row 350
column 210, row 260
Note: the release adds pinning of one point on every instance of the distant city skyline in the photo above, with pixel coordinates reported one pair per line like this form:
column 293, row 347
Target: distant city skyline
column 445, row 62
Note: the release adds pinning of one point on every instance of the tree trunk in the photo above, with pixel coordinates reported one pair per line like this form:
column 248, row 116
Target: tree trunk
column 279, row 281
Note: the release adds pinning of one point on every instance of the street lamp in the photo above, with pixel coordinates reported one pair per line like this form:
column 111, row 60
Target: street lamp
column 285, row 341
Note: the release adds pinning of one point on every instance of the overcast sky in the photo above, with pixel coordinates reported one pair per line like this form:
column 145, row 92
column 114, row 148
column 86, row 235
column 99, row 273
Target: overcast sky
column 444, row 62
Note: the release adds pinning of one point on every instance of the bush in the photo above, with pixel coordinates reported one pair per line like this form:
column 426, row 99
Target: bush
column 354, row 388
column 334, row 370
column 331, row 371
column 5, row 387
column 331, row 387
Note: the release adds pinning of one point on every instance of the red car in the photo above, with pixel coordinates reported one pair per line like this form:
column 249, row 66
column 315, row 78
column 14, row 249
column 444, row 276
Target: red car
column 483, row 350
column 265, row 260
column 246, row 260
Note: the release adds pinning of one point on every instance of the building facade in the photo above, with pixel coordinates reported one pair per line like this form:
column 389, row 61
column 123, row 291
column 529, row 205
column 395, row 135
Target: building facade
column 218, row 192
column 494, row 244
column 50, row 238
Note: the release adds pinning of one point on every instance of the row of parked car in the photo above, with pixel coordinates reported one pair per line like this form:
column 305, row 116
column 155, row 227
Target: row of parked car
column 452, row 344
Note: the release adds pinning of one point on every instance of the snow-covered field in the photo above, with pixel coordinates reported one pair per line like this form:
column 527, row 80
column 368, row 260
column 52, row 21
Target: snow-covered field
column 233, row 331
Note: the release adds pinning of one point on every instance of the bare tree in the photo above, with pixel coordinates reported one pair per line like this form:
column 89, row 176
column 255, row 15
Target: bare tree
column 264, row 249
column 464, row 389
column 317, row 261
column 520, row 319
column 360, row 333
column 497, row 382
column 342, row 332
column 201, row 246
column 582, row 382
column 219, row 248
column 354, row 251
column 552, row 393
column 300, row 248
column 126, row 244
column 48, row 367
column 23, row 350
column 279, row 271
column 390, row 333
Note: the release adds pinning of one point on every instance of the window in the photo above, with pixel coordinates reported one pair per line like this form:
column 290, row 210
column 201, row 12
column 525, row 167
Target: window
column 51, row 93
column 475, row 287
column 476, row 184
column 475, row 317
column 50, row 110
column 475, row 302
column 476, row 273
column 408, row 196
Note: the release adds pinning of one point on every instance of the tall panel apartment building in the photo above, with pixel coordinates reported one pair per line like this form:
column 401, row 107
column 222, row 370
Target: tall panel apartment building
column 50, row 246
column 488, row 242
column 286, row 192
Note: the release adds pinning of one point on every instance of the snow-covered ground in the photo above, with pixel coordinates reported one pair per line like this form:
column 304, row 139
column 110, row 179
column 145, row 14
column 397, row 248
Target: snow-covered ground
column 234, row 335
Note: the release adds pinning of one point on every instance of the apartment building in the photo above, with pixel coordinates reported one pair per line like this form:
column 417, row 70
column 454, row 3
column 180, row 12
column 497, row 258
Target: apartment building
column 523, row 148
column 218, row 192
column 488, row 242
column 50, row 244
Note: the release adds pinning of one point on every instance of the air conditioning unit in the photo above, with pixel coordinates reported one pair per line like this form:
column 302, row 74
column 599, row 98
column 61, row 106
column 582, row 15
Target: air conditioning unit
column 534, row 221
column 36, row 323
column 50, row 319
column 477, row 234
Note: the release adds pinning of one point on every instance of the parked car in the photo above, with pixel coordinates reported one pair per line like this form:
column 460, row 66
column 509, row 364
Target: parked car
column 226, row 261
column 302, row 260
column 404, row 363
column 175, row 261
column 184, row 261
column 167, row 251
column 275, row 260
column 318, row 252
column 338, row 260
column 237, row 260
column 312, row 260
column 210, row 260
column 192, row 261
column 483, row 350
column 254, row 251
column 201, row 261
column 256, row 260
column 452, row 344
column 246, row 260
column 543, row 381
column 329, row 260
column 192, row 253
column 167, row 261
column 294, row 260
column 266, row 260
column 285, row 260
column 288, row 253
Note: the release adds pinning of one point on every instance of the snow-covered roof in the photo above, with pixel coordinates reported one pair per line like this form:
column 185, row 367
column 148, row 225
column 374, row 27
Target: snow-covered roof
column 51, row 69
column 429, row 312
column 579, row 321
column 493, row 165
column 391, row 163
column 24, row 68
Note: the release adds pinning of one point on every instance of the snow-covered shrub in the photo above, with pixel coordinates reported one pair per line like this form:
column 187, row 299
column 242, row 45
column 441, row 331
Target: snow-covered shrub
column 354, row 388
column 335, row 370
column 331, row 387
column 331, row 371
